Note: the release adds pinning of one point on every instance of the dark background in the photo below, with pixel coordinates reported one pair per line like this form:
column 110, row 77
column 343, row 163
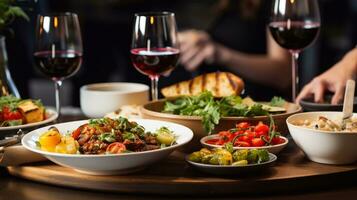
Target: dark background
column 106, row 27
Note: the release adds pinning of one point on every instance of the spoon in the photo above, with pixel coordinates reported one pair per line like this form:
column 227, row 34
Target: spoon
column 348, row 102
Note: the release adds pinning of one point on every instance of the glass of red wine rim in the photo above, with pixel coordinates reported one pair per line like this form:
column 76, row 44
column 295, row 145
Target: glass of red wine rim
column 158, row 37
column 50, row 23
column 155, row 14
column 295, row 10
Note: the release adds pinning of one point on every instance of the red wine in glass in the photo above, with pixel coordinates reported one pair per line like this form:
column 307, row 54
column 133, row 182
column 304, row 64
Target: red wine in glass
column 155, row 61
column 294, row 35
column 58, row 64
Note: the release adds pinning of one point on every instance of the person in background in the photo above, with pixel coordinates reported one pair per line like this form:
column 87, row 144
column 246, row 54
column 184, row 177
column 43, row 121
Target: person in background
column 333, row 80
column 239, row 42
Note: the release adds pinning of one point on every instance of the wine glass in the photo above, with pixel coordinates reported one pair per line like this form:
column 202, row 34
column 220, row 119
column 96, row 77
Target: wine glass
column 155, row 49
column 294, row 24
column 58, row 48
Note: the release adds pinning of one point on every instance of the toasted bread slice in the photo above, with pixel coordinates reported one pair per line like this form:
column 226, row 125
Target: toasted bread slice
column 31, row 112
column 221, row 84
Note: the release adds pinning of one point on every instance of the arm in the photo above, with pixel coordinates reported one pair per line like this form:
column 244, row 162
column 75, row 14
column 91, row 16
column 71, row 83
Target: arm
column 333, row 80
column 271, row 69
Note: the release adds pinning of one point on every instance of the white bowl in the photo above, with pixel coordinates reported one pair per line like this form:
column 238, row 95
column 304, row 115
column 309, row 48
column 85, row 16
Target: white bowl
column 275, row 149
column 98, row 99
column 114, row 163
column 328, row 147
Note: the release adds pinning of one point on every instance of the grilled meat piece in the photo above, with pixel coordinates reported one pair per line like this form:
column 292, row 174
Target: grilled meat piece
column 94, row 147
column 136, row 145
column 150, row 139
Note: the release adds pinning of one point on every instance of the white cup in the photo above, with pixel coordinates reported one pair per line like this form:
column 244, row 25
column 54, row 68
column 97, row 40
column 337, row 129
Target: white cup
column 98, row 99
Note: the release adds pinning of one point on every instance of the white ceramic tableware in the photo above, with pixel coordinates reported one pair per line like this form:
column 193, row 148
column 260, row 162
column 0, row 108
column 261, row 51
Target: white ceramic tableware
column 328, row 147
column 109, row 164
column 275, row 149
column 98, row 99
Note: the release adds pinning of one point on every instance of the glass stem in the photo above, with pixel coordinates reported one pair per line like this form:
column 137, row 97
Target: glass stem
column 58, row 84
column 295, row 74
column 154, row 87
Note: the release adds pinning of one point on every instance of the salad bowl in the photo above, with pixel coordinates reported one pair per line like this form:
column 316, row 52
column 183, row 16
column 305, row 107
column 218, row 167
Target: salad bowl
column 108, row 164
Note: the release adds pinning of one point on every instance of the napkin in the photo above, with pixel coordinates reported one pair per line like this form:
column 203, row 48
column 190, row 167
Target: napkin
column 17, row 155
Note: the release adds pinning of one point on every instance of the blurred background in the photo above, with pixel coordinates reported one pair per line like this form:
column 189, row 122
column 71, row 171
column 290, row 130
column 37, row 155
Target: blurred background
column 106, row 27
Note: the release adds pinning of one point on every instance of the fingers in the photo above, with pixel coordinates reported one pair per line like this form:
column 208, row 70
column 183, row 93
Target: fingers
column 306, row 92
column 188, row 55
column 338, row 96
column 319, row 91
column 204, row 55
column 315, row 88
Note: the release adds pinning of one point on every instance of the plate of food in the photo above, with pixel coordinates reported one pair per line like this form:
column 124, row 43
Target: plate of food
column 19, row 113
column 211, row 103
column 107, row 146
column 226, row 161
column 248, row 136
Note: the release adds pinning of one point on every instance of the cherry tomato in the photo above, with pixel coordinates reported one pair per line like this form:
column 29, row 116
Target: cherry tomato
column 250, row 134
column 277, row 140
column 116, row 148
column 258, row 142
column 261, row 129
column 244, row 138
column 241, row 144
column 225, row 136
column 10, row 115
column 243, row 125
column 76, row 133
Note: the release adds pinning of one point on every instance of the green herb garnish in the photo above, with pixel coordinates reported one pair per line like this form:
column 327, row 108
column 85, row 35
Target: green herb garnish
column 107, row 137
column 211, row 110
column 277, row 101
column 129, row 136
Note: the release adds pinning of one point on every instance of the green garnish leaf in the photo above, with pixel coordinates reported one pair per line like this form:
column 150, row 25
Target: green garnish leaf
column 14, row 122
column 277, row 101
column 107, row 137
column 229, row 147
column 38, row 144
column 129, row 136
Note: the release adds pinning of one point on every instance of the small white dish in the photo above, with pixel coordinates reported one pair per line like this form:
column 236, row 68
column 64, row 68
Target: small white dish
column 275, row 149
column 232, row 170
column 51, row 115
column 327, row 147
column 98, row 99
column 112, row 163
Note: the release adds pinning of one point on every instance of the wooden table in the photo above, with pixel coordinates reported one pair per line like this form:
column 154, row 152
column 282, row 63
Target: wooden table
column 320, row 183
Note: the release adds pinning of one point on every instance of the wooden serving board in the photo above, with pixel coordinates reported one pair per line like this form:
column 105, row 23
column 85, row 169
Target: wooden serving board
column 174, row 176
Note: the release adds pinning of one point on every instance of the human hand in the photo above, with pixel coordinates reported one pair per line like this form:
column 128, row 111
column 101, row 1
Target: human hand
column 333, row 80
column 196, row 47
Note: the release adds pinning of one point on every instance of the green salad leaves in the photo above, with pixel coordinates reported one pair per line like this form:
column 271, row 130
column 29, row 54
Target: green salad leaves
column 211, row 110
